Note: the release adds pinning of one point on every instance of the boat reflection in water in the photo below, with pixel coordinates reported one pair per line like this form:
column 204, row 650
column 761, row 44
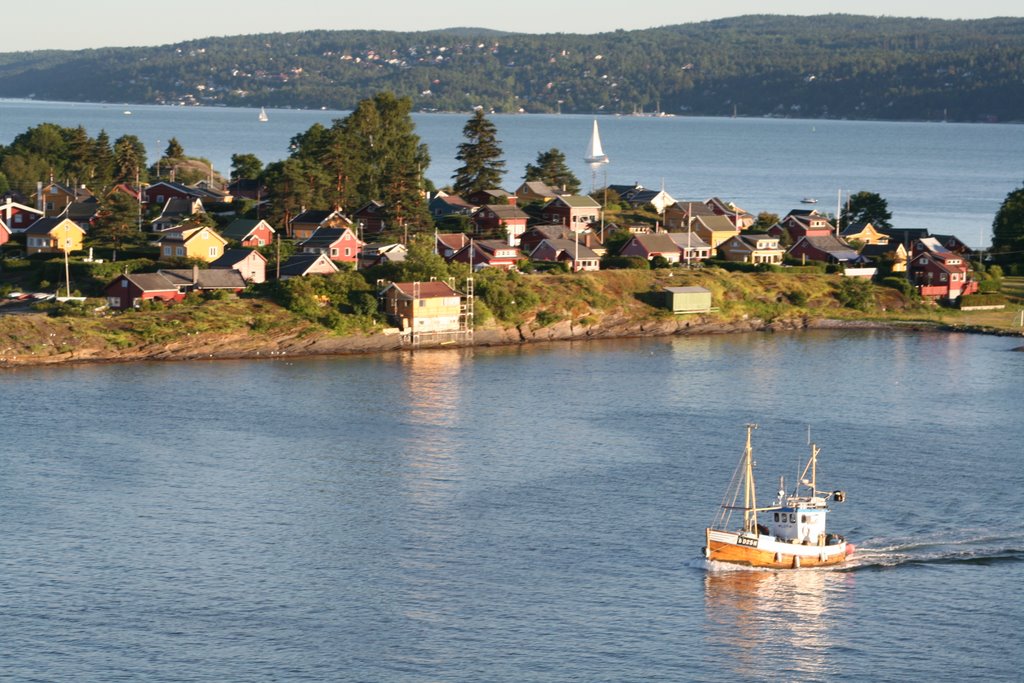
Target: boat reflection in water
column 775, row 624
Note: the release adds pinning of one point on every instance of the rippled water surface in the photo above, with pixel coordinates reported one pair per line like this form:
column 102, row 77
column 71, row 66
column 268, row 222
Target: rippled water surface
column 512, row 514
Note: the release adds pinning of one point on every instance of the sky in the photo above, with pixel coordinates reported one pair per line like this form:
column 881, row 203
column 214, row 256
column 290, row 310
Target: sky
column 73, row 24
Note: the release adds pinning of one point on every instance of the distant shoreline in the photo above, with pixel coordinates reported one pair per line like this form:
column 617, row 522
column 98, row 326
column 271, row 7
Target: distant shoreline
column 459, row 112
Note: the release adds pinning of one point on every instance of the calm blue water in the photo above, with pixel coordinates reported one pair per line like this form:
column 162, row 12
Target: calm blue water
column 511, row 514
column 950, row 178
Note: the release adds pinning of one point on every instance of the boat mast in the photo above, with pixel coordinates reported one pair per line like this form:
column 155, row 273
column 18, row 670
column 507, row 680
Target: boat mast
column 749, row 492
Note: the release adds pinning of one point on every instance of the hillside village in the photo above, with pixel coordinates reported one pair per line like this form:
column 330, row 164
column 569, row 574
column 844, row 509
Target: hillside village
column 533, row 228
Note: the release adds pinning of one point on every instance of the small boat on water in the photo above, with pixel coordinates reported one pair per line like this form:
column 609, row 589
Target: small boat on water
column 263, row 115
column 595, row 154
column 808, row 200
column 795, row 535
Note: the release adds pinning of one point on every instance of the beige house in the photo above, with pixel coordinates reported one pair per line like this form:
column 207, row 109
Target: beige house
column 757, row 248
column 714, row 230
column 423, row 306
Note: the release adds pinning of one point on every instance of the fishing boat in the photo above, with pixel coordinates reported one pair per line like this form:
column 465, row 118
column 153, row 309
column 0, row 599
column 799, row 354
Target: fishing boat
column 808, row 200
column 263, row 115
column 795, row 534
column 595, row 155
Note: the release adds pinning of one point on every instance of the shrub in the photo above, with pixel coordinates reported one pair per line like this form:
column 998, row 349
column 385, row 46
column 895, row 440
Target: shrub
column 900, row 284
column 797, row 298
column 855, row 293
column 659, row 261
column 545, row 318
column 982, row 300
column 621, row 262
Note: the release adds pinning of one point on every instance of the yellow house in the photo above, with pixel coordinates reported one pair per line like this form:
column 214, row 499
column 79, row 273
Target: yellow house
column 865, row 233
column 714, row 229
column 53, row 236
column 199, row 243
column 423, row 306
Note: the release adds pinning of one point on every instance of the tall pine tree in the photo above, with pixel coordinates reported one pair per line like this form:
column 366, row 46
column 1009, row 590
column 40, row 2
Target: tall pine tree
column 482, row 165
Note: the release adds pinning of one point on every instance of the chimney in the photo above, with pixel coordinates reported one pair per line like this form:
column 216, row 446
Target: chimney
column 39, row 195
column 195, row 275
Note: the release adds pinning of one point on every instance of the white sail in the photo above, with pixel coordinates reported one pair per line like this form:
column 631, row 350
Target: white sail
column 263, row 114
column 595, row 155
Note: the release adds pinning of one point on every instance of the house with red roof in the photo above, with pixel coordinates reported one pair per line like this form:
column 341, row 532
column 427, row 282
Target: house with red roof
column 423, row 306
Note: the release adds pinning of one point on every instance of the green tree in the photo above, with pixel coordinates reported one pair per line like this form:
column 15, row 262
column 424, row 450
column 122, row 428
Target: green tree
column 102, row 163
column 764, row 220
column 371, row 154
column 867, row 207
column 246, row 166
column 174, row 149
column 1008, row 225
column 552, row 169
column 129, row 160
column 118, row 222
column 482, row 166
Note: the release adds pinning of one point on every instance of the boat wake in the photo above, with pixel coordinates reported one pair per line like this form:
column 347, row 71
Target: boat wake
column 978, row 550
column 881, row 554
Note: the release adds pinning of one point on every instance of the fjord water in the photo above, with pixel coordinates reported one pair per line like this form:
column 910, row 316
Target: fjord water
column 949, row 178
column 530, row 513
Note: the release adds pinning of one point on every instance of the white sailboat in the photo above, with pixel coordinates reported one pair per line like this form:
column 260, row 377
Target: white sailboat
column 263, row 115
column 595, row 155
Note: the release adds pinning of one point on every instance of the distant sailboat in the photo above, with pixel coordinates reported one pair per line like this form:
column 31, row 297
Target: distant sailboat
column 595, row 155
column 263, row 115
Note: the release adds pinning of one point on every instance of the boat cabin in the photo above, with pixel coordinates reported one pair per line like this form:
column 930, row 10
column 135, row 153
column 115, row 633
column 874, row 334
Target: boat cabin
column 800, row 521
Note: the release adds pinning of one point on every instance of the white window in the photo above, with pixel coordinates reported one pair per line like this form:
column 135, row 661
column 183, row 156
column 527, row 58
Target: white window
column 124, row 284
column 167, row 251
column 179, row 251
column 213, row 252
column 348, row 251
column 113, row 301
column 334, row 251
column 17, row 218
column 259, row 241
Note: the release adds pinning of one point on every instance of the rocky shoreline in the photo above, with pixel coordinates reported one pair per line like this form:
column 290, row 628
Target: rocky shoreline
column 292, row 344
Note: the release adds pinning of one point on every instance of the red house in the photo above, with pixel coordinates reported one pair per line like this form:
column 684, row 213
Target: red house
column 18, row 217
column 939, row 273
column 128, row 290
column 802, row 223
column 159, row 193
column 249, row 232
column 574, row 211
column 487, row 254
column 501, row 219
column 370, row 218
column 339, row 244
column 5, row 233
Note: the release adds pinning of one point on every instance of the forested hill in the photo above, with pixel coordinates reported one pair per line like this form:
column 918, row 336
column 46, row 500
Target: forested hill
column 834, row 66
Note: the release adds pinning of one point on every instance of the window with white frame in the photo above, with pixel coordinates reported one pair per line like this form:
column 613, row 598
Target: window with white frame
column 179, row 251
column 213, row 252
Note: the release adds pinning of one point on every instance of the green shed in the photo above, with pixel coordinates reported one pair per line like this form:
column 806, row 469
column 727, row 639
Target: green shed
column 688, row 299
